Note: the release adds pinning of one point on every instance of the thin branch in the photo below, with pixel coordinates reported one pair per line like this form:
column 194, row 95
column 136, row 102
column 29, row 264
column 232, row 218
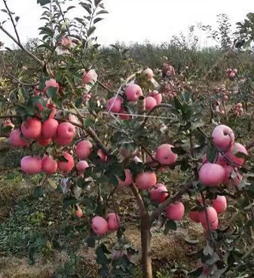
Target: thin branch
column 103, row 86
column 13, row 23
column 170, row 201
column 210, row 236
column 139, row 199
column 22, row 47
column 62, row 14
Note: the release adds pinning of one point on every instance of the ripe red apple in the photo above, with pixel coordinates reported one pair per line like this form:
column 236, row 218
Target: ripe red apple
column 79, row 213
column 31, row 128
column 157, row 96
column 99, row 225
column 90, row 76
column 65, row 131
column 49, row 165
column 133, row 92
column 159, row 193
column 220, row 204
column 114, row 104
column 212, row 215
column 149, row 73
column 31, row 164
column 49, row 128
column 66, row 166
column 113, row 222
column 102, row 155
column 213, row 225
column 223, row 137
column 150, row 103
column 82, row 165
column 128, row 179
column 194, row 216
column 145, row 180
column 211, row 174
column 17, row 140
column 238, row 148
column 164, row 155
column 175, row 211
column 83, row 149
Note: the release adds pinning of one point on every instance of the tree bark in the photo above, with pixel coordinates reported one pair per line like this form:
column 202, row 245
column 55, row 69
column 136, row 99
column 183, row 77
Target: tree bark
column 146, row 247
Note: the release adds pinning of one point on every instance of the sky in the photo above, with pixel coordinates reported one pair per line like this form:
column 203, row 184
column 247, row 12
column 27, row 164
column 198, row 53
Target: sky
column 138, row 20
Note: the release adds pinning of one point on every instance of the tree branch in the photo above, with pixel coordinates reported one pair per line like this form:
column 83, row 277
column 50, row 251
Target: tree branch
column 22, row 47
column 139, row 199
column 13, row 23
column 170, row 201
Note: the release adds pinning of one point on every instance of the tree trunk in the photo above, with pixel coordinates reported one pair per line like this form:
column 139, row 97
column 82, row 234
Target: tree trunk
column 146, row 247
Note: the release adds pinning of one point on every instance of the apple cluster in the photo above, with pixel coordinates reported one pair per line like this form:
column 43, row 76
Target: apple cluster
column 224, row 170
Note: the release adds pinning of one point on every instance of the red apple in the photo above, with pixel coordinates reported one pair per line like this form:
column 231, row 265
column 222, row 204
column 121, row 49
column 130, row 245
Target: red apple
column 220, row 204
column 175, row 211
column 66, row 166
column 211, row 174
column 223, row 137
column 99, row 225
column 159, row 193
column 145, row 180
column 83, row 149
column 150, row 103
column 31, row 164
column 128, row 179
column 49, row 128
column 157, row 96
column 31, row 128
column 236, row 148
column 82, row 165
column 113, row 222
column 212, row 215
column 17, row 140
column 133, row 92
column 49, row 165
column 114, row 105
column 65, row 131
column 165, row 156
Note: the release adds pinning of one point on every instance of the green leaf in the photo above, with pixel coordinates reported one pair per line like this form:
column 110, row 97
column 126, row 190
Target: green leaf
column 46, row 31
column 97, row 2
column 43, row 2
column 102, row 12
column 170, row 225
column 97, row 20
column 51, row 92
column 68, row 201
column 38, row 192
column 211, row 153
column 90, row 31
